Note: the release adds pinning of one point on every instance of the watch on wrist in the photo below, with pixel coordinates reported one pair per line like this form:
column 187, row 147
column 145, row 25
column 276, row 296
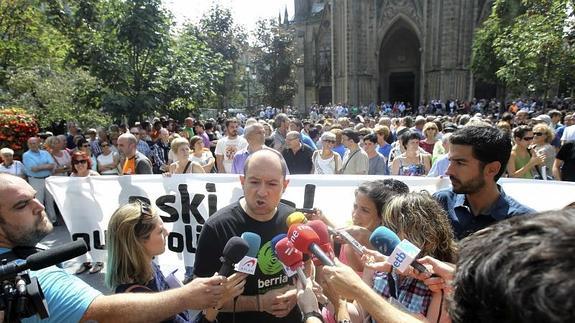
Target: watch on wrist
column 312, row 314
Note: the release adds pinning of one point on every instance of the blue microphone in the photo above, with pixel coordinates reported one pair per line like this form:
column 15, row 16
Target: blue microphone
column 275, row 241
column 384, row 240
column 254, row 241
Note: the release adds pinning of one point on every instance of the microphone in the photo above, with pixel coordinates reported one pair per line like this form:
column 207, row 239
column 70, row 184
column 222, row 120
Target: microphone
column 321, row 230
column 290, row 257
column 45, row 258
column 248, row 263
column 235, row 249
column 306, row 240
column 401, row 254
column 275, row 240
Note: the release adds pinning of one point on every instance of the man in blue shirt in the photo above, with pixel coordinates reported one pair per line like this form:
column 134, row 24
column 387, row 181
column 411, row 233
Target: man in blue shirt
column 478, row 157
column 23, row 222
column 38, row 165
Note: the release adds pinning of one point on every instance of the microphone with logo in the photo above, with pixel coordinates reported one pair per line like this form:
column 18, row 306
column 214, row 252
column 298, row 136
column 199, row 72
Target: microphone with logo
column 290, row 257
column 306, row 240
column 401, row 254
column 298, row 217
column 321, row 230
column 248, row 263
column 235, row 249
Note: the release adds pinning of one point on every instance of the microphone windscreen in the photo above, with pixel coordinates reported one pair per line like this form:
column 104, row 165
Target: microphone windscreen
column 302, row 236
column 308, row 196
column 236, row 248
column 254, row 242
column 275, row 240
column 56, row 255
column 321, row 229
column 288, row 254
column 384, row 240
column 294, row 218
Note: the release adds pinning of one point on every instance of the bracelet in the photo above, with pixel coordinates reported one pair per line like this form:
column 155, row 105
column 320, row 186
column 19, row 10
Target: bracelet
column 312, row 314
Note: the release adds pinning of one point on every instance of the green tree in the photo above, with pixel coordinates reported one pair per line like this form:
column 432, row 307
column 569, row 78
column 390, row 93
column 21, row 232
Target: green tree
column 274, row 60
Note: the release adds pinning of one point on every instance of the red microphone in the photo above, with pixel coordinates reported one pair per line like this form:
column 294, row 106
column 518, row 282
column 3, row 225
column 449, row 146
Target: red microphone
column 322, row 232
column 306, row 240
column 290, row 256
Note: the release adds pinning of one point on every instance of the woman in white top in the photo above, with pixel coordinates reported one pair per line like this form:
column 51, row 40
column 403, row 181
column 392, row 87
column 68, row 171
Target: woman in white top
column 108, row 160
column 183, row 164
column 201, row 155
column 542, row 137
column 9, row 165
column 55, row 146
column 324, row 160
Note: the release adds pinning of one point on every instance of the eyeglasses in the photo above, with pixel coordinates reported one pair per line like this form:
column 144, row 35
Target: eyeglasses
column 86, row 146
column 82, row 161
column 527, row 138
column 538, row 134
column 145, row 210
column 104, row 145
column 329, row 141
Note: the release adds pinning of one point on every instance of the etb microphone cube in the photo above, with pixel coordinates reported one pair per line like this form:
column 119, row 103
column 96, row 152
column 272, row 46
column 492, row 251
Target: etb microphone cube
column 403, row 255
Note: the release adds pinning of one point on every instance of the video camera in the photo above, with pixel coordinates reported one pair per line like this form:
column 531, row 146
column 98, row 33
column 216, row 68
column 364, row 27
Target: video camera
column 21, row 295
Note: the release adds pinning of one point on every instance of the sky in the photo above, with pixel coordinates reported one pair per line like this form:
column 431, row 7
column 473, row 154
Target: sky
column 245, row 12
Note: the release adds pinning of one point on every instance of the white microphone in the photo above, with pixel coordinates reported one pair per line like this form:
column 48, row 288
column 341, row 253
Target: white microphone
column 405, row 255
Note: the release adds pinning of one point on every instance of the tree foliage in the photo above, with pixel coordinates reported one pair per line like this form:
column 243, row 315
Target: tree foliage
column 524, row 46
column 274, row 61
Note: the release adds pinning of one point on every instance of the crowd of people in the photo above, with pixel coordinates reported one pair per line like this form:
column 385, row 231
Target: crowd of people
column 488, row 258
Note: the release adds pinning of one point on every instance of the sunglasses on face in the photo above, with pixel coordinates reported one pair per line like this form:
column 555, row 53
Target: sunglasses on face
column 86, row 146
column 538, row 134
column 329, row 141
column 83, row 161
column 104, row 145
column 527, row 138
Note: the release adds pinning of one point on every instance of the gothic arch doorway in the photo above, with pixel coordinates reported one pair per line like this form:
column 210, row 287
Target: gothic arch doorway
column 399, row 64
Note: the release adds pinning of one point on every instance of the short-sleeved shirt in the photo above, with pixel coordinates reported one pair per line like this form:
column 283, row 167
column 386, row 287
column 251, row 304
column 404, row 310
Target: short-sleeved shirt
column 464, row 223
column 228, row 148
column 377, row 165
column 300, row 162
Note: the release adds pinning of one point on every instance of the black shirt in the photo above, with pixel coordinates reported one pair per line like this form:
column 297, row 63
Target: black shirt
column 567, row 155
column 300, row 162
column 233, row 221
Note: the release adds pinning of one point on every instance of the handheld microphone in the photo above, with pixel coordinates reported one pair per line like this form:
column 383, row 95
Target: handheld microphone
column 45, row 258
column 235, row 249
column 275, row 240
column 321, row 230
column 290, row 257
column 249, row 262
column 401, row 254
column 306, row 240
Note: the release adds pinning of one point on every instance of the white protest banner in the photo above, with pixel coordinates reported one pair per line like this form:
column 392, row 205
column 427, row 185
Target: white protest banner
column 186, row 201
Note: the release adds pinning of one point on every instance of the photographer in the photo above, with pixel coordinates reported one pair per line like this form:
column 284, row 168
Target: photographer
column 23, row 222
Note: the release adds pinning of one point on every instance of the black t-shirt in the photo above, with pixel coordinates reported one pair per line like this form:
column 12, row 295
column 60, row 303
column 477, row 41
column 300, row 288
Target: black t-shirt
column 567, row 155
column 300, row 162
column 233, row 221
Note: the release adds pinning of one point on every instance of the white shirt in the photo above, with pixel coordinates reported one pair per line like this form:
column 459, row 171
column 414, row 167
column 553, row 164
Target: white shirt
column 227, row 148
column 17, row 168
column 568, row 134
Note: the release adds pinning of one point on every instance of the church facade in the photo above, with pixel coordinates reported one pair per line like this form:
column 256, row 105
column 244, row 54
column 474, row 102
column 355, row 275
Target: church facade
column 363, row 51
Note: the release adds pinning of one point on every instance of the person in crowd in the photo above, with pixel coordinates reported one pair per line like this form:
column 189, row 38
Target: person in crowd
column 212, row 135
column 325, row 161
column 24, row 223
column 61, row 157
column 160, row 150
column 297, row 125
column 9, row 165
column 267, row 296
column 81, row 168
column 439, row 167
column 355, row 160
column 141, row 144
column 281, row 125
column 71, row 135
column 339, row 147
column 523, row 247
column 255, row 136
column 478, row 156
column 542, row 137
column 200, row 131
column 377, row 162
column 523, row 160
column 202, row 155
column 430, row 131
column 412, row 162
column 95, row 144
column 383, row 134
column 188, row 129
column 134, row 161
column 38, row 165
column 84, row 146
column 135, row 236
column 108, row 160
column 228, row 146
column 564, row 164
column 183, row 163
column 297, row 155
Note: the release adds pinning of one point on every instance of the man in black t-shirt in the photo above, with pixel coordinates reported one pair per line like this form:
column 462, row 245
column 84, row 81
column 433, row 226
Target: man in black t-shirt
column 564, row 166
column 268, row 296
